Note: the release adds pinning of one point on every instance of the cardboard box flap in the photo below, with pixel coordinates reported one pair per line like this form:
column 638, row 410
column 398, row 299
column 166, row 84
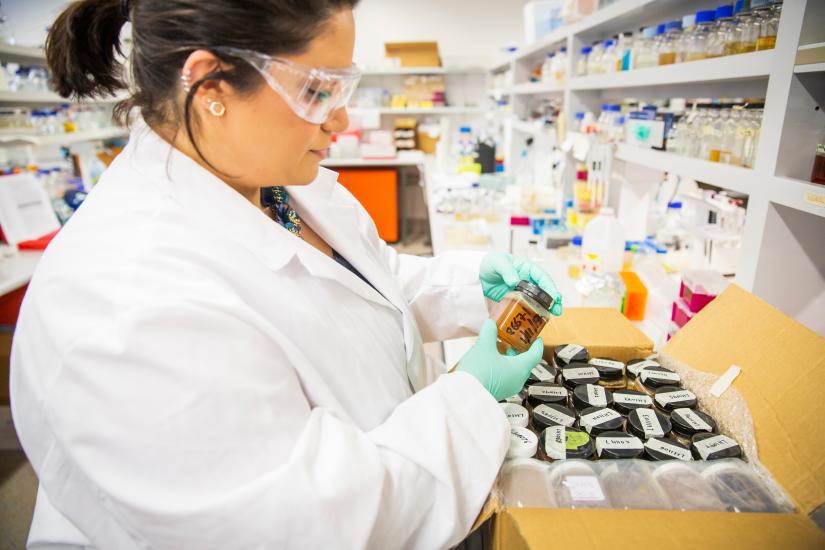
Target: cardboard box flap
column 604, row 332
column 414, row 54
column 782, row 379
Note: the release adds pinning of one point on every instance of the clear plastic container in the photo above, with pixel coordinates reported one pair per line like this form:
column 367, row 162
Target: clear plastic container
column 581, row 64
column 603, row 243
column 575, row 484
column 686, row 489
column 523, row 483
column 521, row 315
column 629, row 485
column 697, row 48
column 739, row 488
column 667, row 46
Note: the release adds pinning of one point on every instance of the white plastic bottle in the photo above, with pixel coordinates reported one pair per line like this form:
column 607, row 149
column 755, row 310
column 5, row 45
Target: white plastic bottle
column 603, row 243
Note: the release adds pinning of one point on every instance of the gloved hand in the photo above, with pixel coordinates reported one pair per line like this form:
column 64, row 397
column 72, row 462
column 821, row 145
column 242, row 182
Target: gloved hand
column 502, row 375
column 500, row 273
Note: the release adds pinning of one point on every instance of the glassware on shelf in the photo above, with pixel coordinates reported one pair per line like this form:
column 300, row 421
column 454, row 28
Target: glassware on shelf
column 746, row 28
column 547, row 68
column 594, row 60
column 624, row 52
column 688, row 22
column 667, row 47
column 609, row 56
column 818, row 171
column 768, row 17
column 716, row 45
column 703, row 30
column 644, row 55
column 581, row 64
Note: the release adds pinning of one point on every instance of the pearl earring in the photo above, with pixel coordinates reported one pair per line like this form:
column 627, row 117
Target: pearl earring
column 185, row 76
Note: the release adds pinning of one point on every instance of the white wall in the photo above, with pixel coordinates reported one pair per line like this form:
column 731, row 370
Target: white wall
column 467, row 31
column 29, row 18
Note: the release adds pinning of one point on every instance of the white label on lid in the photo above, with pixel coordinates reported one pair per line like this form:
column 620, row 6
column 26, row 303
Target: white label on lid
column 650, row 423
column 714, row 444
column 546, row 391
column 523, row 443
column 577, row 373
column 695, row 421
column 584, row 488
column 665, row 375
column 596, row 395
column 542, row 374
column 515, row 399
column 674, row 397
column 632, row 399
column 631, row 442
column 588, row 421
column 555, row 443
column 569, row 351
column 607, row 363
column 636, row 368
column 668, row 449
column 553, row 415
column 516, row 414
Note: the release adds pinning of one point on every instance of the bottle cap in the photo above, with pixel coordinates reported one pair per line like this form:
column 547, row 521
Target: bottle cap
column 586, row 50
column 674, row 25
column 545, row 300
column 724, row 12
column 649, row 32
column 577, row 240
column 688, row 21
column 609, row 42
column 661, row 28
column 705, row 16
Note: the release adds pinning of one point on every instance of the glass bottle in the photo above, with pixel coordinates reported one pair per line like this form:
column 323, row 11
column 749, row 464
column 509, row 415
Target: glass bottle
column 667, row 47
column 768, row 25
column 704, row 132
column 547, row 68
column 715, row 132
column 750, row 128
column 719, row 38
column 594, row 60
column 581, row 64
column 560, row 68
column 609, row 56
column 644, row 49
column 746, row 30
column 688, row 22
column 728, row 148
column 624, row 52
column 699, row 38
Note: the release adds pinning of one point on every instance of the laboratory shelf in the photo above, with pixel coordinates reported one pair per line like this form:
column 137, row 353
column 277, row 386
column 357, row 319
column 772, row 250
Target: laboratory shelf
column 809, row 68
column 412, row 160
column 726, row 176
column 403, row 71
column 531, row 128
column 22, row 99
column 748, row 66
column 15, row 140
column 799, row 195
column 22, row 54
column 419, row 111
column 537, row 88
column 17, row 271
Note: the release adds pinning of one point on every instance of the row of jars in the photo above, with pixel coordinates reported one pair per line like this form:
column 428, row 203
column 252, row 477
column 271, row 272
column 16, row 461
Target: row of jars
column 746, row 27
column 723, row 133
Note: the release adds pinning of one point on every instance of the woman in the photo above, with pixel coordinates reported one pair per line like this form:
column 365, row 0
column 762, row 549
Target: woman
column 204, row 362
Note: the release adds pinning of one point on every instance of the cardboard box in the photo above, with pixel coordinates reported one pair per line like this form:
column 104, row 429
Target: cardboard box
column 783, row 373
column 414, row 54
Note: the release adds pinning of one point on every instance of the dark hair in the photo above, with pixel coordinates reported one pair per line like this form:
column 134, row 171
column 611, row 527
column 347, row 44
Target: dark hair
column 83, row 46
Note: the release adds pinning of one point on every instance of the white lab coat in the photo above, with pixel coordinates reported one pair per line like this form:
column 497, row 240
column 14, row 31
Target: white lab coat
column 187, row 374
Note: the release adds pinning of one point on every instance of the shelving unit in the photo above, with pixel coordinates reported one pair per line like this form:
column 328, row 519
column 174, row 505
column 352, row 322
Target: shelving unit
column 422, row 71
column 781, row 247
column 537, row 88
column 419, row 111
column 12, row 140
column 23, row 55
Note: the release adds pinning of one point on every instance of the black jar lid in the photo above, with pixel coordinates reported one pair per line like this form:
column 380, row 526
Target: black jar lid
column 670, row 398
column 570, row 353
column 688, row 422
column 536, row 293
column 635, row 366
column 656, row 377
column 518, row 398
column 647, row 423
column 625, row 401
column 609, row 369
column 662, row 448
column 596, row 420
column 547, row 392
column 546, row 415
column 543, row 372
column 618, row 445
column 578, row 374
column 560, row 443
column 591, row 395
column 707, row 446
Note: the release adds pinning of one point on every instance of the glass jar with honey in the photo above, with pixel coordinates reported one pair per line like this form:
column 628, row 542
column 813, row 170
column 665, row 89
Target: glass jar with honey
column 520, row 316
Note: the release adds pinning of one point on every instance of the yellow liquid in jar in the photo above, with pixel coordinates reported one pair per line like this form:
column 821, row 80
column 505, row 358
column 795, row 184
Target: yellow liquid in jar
column 696, row 56
column 745, row 47
column 732, row 48
column 714, row 155
column 765, row 43
column 667, row 58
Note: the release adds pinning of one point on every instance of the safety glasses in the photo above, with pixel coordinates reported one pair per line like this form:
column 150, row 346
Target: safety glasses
column 312, row 93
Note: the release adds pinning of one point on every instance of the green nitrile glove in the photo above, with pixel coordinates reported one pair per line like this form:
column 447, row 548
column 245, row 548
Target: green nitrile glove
column 501, row 375
column 500, row 273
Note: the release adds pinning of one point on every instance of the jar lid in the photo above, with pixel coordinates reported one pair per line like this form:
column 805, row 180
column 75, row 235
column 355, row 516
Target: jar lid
column 591, row 395
column 635, row 366
column 708, row 446
column 688, row 422
column 546, row 392
column 516, row 414
column 560, row 443
column 662, row 448
column 552, row 414
column 656, row 377
column 618, row 445
column 609, row 369
column 543, row 372
column 669, row 398
column 578, row 374
column 647, row 423
column 523, row 443
column 625, row 401
column 596, row 420
column 536, row 293
column 518, row 398
column 570, row 353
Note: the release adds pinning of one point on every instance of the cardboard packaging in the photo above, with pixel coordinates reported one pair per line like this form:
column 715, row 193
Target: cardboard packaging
column 414, row 54
column 783, row 373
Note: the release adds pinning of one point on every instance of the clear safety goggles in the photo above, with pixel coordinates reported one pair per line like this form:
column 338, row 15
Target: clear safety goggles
column 312, row 93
